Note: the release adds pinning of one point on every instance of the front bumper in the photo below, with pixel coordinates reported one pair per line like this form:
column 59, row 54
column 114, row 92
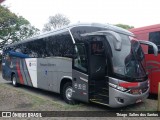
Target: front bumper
column 126, row 97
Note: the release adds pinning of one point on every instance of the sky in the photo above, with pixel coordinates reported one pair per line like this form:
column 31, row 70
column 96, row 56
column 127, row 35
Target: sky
column 136, row 13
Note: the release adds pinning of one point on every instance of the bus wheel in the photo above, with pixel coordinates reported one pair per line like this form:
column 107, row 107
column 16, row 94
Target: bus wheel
column 67, row 93
column 14, row 81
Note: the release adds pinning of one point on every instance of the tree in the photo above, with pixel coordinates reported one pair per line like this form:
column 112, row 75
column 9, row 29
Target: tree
column 124, row 26
column 56, row 21
column 14, row 28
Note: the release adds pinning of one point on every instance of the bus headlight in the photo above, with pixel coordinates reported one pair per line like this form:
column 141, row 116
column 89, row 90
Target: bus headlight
column 117, row 87
column 121, row 88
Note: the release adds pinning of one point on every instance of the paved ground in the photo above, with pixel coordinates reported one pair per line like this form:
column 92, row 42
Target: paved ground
column 25, row 98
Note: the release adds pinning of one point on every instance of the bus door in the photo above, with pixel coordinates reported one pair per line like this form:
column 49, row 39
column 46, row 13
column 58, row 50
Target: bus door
column 94, row 85
column 90, row 81
column 98, row 80
column 80, row 73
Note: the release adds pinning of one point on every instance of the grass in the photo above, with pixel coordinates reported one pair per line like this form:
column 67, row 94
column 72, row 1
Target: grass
column 38, row 100
column 44, row 103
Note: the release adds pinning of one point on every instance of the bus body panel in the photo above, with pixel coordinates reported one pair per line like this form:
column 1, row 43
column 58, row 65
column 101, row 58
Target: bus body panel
column 45, row 73
column 153, row 66
column 31, row 69
column 51, row 70
column 80, row 86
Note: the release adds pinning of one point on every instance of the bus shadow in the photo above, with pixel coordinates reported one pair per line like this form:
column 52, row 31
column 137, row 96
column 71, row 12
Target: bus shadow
column 43, row 93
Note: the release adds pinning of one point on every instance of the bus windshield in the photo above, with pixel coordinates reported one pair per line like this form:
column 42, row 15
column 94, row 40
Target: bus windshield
column 129, row 60
column 135, row 62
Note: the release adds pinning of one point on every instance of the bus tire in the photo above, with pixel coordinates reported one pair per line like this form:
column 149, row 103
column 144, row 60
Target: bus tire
column 67, row 93
column 14, row 81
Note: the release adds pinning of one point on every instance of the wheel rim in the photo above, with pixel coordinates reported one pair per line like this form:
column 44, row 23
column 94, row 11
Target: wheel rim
column 69, row 93
column 14, row 81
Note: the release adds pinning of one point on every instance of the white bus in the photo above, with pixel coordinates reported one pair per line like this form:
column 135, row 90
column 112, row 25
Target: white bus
column 84, row 62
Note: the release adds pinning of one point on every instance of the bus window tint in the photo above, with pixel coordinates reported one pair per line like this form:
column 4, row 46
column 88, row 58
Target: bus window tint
column 35, row 48
column 155, row 38
column 59, row 45
column 135, row 60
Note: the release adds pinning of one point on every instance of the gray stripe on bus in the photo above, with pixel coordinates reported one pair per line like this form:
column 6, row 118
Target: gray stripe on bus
column 27, row 74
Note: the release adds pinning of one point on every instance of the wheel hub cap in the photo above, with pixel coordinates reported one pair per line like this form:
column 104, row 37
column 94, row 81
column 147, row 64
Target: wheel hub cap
column 69, row 93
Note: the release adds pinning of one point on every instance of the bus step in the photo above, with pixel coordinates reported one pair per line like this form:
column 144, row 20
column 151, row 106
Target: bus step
column 93, row 92
column 101, row 96
column 92, row 84
column 105, row 89
column 95, row 99
column 96, row 92
column 105, row 92
column 100, row 101
column 104, row 95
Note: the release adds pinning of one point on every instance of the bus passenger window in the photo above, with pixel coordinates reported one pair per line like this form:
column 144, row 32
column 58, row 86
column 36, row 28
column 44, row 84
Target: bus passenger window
column 80, row 60
column 155, row 38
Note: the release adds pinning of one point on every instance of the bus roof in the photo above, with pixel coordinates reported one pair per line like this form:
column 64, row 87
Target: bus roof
column 60, row 30
column 145, row 28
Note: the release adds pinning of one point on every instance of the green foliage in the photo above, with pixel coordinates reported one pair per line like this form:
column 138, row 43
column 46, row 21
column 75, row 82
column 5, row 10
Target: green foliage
column 13, row 28
column 56, row 21
column 124, row 26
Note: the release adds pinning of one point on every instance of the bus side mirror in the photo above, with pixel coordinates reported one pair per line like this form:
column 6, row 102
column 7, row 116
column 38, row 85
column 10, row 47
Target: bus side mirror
column 155, row 48
column 117, row 41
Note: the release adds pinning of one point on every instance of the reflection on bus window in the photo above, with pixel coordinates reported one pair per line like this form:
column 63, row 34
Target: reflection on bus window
column 80, row 61
column 134, row 61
